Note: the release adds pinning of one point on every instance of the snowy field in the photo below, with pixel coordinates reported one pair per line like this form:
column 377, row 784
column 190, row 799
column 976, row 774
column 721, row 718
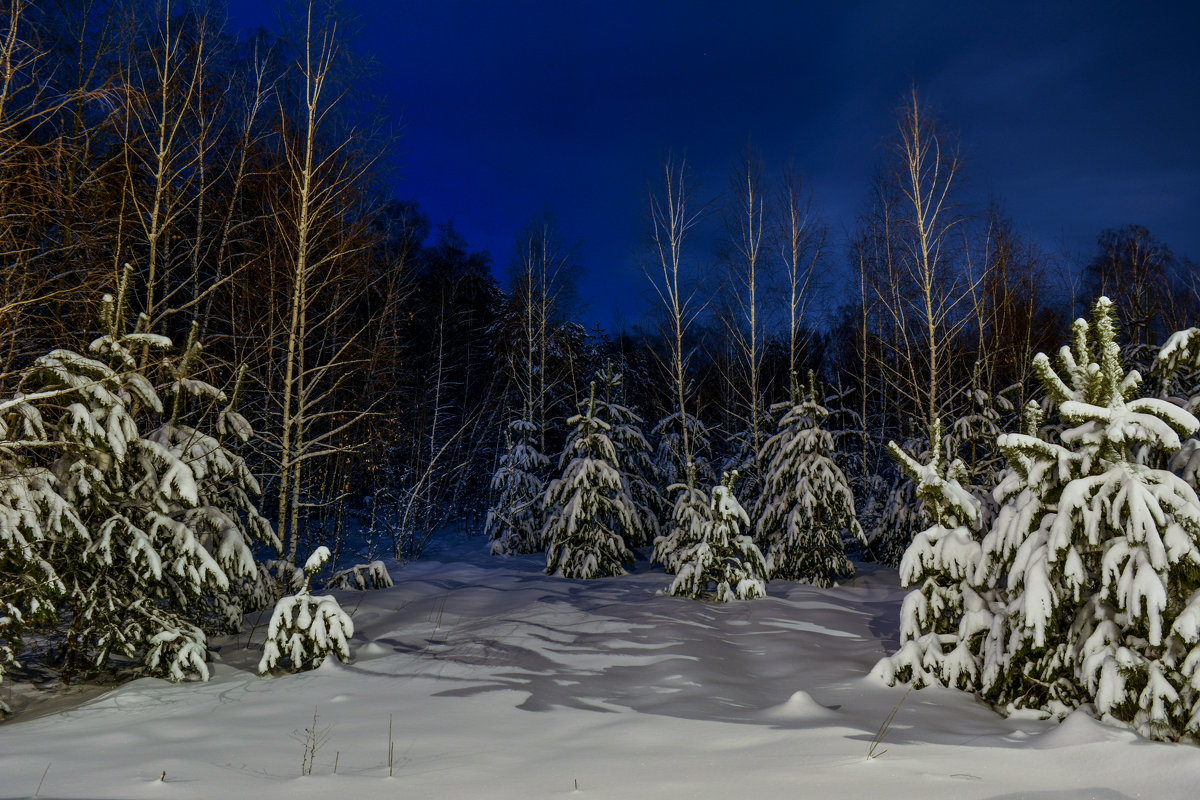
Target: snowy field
column 504, row 683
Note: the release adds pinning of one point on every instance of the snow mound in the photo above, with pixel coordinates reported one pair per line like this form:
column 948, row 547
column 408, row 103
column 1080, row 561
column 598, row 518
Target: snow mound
column 801, row 706
column 1080, row 728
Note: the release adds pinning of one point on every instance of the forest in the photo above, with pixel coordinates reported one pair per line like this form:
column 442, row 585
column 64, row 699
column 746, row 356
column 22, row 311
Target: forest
column 233, row 362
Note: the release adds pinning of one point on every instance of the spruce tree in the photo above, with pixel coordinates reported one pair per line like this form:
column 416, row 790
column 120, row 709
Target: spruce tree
column 722, row 564
column 137, row 542
column 806, row 506
column 589, row 507
column 1103, row 600
column 305, row 629
column 937, row 569
column 1026, row 495
column 514, row 523
column 690, row 513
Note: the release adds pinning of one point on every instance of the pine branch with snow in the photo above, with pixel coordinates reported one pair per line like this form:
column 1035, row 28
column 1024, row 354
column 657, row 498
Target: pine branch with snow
column 362, row 577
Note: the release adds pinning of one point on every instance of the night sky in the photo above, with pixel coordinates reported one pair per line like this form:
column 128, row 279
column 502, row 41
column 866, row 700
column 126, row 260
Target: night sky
column 1075, row 117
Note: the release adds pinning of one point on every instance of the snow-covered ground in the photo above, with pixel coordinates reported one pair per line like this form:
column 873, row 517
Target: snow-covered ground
column 501, row 682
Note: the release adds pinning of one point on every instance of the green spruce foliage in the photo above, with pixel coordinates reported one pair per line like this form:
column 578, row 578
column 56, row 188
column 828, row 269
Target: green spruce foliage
column 589, row 507
column 721, row 563
column 129, row 523
column 806, row 507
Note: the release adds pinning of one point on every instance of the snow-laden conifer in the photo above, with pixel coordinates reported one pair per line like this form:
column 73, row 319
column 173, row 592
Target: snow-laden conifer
column 304, row 628
column 940, row 612
column 140, row 540
column 806, row 507
column 722, row 564
column 1104, row 580
column 589, row 507
column 690, row 513
column 1026, row 497
column 514, row 523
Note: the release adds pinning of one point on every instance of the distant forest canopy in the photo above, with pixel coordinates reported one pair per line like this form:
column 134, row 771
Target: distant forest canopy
column 383, row 360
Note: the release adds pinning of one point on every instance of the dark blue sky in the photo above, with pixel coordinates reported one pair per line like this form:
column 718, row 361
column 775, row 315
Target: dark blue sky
column 1075, row 116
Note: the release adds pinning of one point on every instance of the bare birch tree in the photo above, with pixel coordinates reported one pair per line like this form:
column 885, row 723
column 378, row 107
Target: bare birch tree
column 745, row 226
column 311, row 221
column 671, row 220
column 800, row 245
column 924, row 289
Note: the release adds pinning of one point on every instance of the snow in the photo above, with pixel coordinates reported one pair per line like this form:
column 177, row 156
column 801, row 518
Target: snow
column 501, row 682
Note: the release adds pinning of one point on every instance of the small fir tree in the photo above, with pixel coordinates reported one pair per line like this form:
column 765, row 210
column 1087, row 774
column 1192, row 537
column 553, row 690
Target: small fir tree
column 722, row 564
column 806, row 506
column 690, row 514
column 937, row 569
column 589, row 507
column 305, row 629
column 514, row 523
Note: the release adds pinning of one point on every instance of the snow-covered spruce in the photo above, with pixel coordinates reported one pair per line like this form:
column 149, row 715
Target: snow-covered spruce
column 1103, row 574
column 806, row 506
column 690, row 515
column 940, row 613
column 514, row 523
column 137, row 540
column 634, row 457
column 304, row 629
column 589, row 506
column 723, row 564
column 1027, row 495
column 1086, row 589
